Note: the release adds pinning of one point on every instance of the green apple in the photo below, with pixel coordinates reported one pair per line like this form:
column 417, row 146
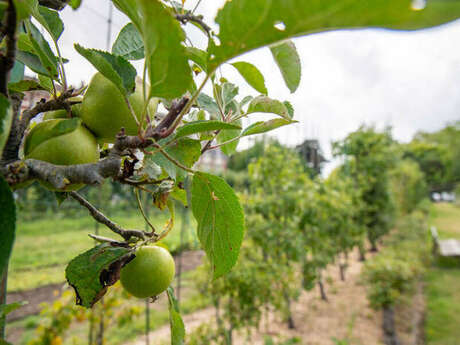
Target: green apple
column 61, row 142
column 149, row 273
column 104, row 110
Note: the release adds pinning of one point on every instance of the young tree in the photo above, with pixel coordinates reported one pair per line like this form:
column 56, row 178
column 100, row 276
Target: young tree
column 370, row 156
column 141, row 147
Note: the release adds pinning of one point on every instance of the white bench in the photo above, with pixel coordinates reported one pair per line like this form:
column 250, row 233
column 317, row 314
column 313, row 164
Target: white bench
column 448, row 247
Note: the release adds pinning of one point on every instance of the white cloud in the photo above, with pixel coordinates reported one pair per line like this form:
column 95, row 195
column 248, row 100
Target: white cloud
column 408, row 80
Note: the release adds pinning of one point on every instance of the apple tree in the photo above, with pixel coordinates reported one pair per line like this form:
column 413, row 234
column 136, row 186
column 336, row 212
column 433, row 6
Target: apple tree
column 148, row 131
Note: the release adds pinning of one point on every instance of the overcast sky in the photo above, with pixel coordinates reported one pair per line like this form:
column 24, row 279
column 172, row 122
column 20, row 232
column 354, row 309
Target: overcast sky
column 407, row 80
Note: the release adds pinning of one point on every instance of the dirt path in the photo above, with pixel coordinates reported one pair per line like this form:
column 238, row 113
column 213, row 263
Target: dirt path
column 346, row 314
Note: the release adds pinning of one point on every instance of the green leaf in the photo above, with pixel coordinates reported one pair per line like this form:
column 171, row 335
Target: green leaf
column 220, row 221
column 224, row 136
column 185, row 150
column 25, row 85
column 203, row 126
column 45, row 82
column 129, row 43
column 265, row 126
column 5, row 309
column 198, row 56
column 6, row 116
column 61, row 197
column 264, row 104
column 207, row 103
column 288, row 60
column 17, row 73
column 175, row 320
column 75, row 4
column 169, row 72
column 151, row 169
column 32, row 61
column 25, row 8
column 249, row 24
column 49, row 129
column 7, row 224
column 50, row 20
column 93, row 271
column 131, row 9
column 115, row 68
column 42, row 50
column 179, row 195
column 3, row 342
column 252, row 75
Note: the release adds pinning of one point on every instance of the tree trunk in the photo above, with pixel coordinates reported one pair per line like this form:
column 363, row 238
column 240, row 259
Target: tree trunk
column 389, row 328
column 362, row 253
column 100, row 334
column 374, row 248
column 322, row 291
column 3, row 301
column 342, row 268
column 147, row 322
column 290, row 320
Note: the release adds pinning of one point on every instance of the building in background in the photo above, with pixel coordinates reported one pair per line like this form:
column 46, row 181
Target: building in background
column 213, row 161
column 311, row 152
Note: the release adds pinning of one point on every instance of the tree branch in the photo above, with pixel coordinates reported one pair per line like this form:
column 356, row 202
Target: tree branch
column 19, row 126
column 7, row 58
column 59, row 176
column 101, row 218
column 54, row 4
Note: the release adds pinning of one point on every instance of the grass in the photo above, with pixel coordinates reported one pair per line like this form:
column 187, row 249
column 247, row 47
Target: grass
column 443, row 283
column 43, row 247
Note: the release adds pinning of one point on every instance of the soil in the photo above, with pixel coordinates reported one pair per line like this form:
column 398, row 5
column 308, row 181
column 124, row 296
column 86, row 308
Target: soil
column 49, row 293
column 346, row 316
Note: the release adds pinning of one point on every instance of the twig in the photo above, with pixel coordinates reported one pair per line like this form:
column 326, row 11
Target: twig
column 101, row 218
column 113, row 242
column 172, row 159
column 190, row 17
column 208, row 144
column 139, row 203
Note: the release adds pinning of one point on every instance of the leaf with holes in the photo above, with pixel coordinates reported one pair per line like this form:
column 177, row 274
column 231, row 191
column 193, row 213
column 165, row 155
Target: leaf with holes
column 220, row 221
column 288, row 60
column 129, row 43
column 252, row 75
column 115, row 68
column 261, row 23
column 93, row 271
column 196, row 127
